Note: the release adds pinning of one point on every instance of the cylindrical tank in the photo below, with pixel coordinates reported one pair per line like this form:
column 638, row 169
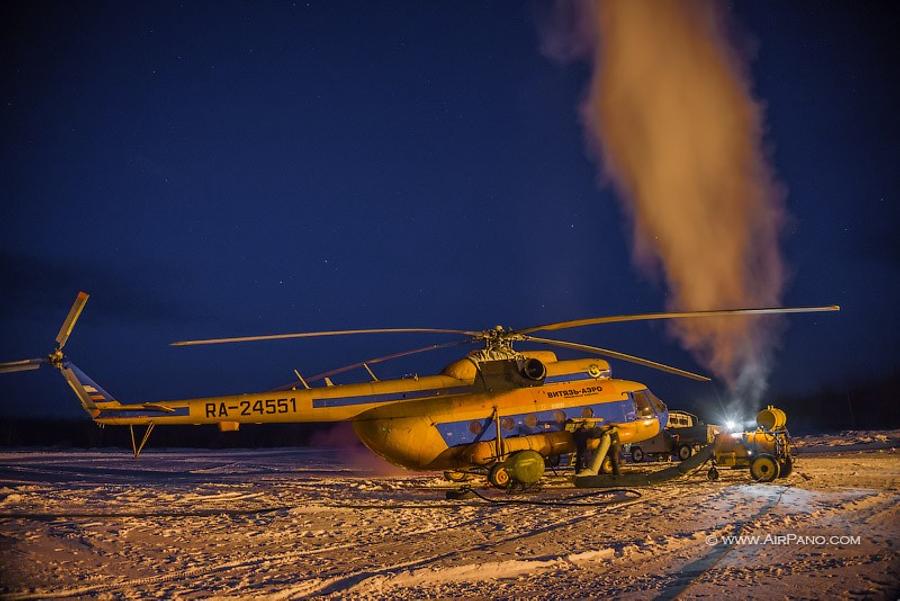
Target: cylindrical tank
column 525, row 467
column 548, row 444
column 771, row 418
column 760, row 442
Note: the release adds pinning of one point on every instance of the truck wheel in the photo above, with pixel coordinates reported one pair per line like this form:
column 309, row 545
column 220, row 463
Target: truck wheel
column 764, row 468
column 498, row 476
column 637, row 454
column 685, row 452
column 786, row 467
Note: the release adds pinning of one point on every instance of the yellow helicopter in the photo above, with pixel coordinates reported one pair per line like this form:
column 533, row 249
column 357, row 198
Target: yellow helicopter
column 495, row 410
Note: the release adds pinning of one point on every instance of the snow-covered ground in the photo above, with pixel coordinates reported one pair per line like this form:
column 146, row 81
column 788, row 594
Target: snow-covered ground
column 292, row 523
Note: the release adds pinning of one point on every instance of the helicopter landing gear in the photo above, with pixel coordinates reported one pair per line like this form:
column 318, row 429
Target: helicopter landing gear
column 607, row 466
column 685, row 452
column 712, row 474
column 455, row 476
column 499, row 477
column 135, row 447
column 637, row 454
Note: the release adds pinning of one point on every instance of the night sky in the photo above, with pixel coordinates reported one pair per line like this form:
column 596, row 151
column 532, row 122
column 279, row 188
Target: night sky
column 242, row 168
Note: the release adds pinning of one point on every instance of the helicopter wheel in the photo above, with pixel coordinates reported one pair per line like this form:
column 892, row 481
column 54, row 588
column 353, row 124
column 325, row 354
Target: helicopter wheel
column 607, row 466
column 764, row 468
column 454, row 476
column 498, row 476
column 685, row 452
column 712, row 475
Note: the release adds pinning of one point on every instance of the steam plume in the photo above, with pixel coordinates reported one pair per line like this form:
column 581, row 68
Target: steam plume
column 670, row 115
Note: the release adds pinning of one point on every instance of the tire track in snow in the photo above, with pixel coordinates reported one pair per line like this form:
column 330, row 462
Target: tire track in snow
column 274, row 560
column 349, row 583
column 691, row 573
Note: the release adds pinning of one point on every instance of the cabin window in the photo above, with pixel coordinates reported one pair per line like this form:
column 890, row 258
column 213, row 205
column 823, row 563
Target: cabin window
column 475, row 427
column 658, row 405
column 587, row 412
column 642, row 403
column 507, row 423
column 531, row 420
column 559, row 416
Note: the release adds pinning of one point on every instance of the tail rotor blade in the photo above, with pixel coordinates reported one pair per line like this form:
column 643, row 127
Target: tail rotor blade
column 10, row 367
column 78, row 388
column 622, row 356
column 71, row 318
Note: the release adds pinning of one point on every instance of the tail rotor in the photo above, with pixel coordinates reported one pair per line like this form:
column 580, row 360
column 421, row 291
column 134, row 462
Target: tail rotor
column 56, row 357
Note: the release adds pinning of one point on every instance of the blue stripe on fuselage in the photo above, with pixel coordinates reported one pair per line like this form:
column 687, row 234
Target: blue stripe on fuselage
column 389, row 396
column 143, row 412
column 550, row 420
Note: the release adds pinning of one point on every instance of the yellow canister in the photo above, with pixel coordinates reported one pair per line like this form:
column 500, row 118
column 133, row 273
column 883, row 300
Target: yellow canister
column 771, row 418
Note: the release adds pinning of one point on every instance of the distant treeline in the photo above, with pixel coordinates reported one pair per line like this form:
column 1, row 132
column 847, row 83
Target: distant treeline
column 83, row 433
column 869, row 405
column 866, row 406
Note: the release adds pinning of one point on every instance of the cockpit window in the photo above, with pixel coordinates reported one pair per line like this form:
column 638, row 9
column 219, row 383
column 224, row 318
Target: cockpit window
column 657, row 404
column 642, row 403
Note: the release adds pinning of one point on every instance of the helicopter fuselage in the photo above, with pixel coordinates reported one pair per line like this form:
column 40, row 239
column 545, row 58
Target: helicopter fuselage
column 480, row 411
column 445, row 421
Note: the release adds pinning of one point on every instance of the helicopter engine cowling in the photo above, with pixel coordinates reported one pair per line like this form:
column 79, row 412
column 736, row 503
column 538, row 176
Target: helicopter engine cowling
column 533, row 369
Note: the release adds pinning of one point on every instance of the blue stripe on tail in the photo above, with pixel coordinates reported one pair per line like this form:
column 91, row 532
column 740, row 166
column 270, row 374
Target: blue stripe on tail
column 94, row 390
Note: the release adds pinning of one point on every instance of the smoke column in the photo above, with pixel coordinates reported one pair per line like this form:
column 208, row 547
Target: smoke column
column 670, row 116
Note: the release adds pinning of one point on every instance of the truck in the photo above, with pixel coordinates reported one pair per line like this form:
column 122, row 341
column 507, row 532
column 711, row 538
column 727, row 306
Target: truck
column 683, row 435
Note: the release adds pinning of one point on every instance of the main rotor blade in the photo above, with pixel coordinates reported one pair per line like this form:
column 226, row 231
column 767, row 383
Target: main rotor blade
column 375, row 360
column 590, row 321
column 23, row 365
column 617, row 355
column 71, row 318
column 324, row 333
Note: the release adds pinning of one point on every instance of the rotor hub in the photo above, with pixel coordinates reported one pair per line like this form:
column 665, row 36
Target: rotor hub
column 56, row 357
column 498, row 343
